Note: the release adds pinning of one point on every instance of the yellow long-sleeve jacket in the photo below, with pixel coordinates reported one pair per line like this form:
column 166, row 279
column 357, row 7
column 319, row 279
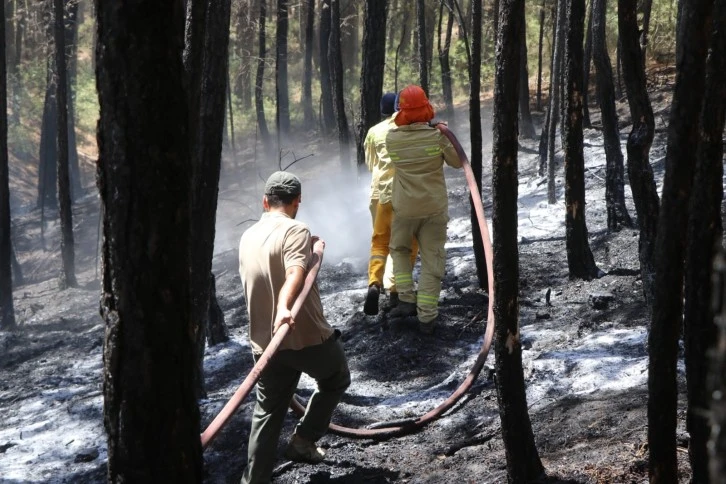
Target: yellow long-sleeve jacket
column 418, row 153
column 378, row 161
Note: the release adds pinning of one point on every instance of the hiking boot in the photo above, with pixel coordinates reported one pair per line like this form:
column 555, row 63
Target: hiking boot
column 427, row 327
column 303, row 450
column 403, row 309
column 370, row 307
column 393, row 300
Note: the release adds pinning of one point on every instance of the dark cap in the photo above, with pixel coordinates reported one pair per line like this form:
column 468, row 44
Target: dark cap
column 282, row 183
column 387, row 104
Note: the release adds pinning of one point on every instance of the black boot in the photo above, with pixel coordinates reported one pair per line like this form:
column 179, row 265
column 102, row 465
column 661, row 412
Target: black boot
column 403, row 310
column 370, row 307
column 392, row 300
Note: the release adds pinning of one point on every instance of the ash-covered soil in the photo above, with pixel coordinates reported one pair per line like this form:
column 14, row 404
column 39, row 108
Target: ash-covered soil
column 584, row 358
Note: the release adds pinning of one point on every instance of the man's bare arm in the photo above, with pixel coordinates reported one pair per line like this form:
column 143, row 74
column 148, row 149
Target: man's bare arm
column 294, row 279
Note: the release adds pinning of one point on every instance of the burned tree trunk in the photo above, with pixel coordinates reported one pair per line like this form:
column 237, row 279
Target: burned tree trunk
column 444, row 60
column 7, row 312
column 307, row 85
column 371, row 76
column 526, row 127
column 539, row 55
column 423, row 67
column 642, row 183
column 704, row 237
column 555, row 100
column 717, row 378
column 144, row 173
column 614, row 184
column 523, row 462
column 683, row 125
column 335, row 59
column 476, row 136
column 580, row 261
column 68, row 269
column 327, row 119
column 586, row 72
column 260, row 78
column 544, row 134
column 281, row 92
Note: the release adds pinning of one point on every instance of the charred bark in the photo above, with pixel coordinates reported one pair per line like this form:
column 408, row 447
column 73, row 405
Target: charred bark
column 335, row 59
column 717, row 377
column 544, row 134
column 586, row 71
column 523, row 462
column 423, row 68
column 683, row 136
column 282, row 97
column 580, row 261
column 144, row 172
column 68, row 269
column 642, row 183
column 705, row 233
column 260, row 78
column 307, row 89
column 476, row 136
column 327, row 119
column 444, row 60
column 526, row 127
column 539, row 55
column 371, row 77
column 554, row 109
column 7, row 311
column 614, row 184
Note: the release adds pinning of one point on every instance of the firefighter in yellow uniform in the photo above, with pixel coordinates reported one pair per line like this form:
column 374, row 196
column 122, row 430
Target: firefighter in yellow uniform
column 380, row 272
column 420, row 205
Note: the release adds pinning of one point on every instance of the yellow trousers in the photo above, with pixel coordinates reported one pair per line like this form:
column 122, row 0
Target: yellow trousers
column 430, row 232
column 380, row 265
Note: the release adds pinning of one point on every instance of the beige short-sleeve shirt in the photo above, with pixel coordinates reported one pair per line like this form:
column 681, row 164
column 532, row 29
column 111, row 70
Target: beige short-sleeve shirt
column 266, row 251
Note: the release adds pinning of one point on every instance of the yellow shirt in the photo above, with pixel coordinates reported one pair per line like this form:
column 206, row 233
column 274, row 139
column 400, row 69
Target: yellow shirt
column 266, row 251
column 378, row 161
column 418, row 153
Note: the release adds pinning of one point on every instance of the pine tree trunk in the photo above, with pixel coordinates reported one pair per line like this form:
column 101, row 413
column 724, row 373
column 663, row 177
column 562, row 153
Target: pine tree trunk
column 68, row 270
column 523, row 462
column 7, row 311
column 586, row 71
column 371, row 77
column 327, row 120
column 144, row 173
column 642, row 183
column 539, row 55
column 444, row 60
column 281, row 92
column 71, row 50
column 646, row 6
column 476, row 135
column 554, row 108
column 307, row 89
column 615, row 172
column 544, row 134
column 705, row 233
column 580, row 261
column 670, row 249
column 48, row 154
column 717, row 377
column 335, row 59
column 526, row 127
column 423, row 68
column 260, row 79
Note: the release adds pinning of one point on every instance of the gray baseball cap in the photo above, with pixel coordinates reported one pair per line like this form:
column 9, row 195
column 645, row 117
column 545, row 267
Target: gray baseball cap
column 283, row 183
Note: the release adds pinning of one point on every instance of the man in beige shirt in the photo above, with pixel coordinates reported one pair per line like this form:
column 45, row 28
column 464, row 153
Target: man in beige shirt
column 274, row 255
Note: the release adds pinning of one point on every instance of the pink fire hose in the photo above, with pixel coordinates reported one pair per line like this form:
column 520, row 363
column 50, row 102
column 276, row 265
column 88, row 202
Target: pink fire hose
column 384, row 430
column 381, row 430
column 246, row 387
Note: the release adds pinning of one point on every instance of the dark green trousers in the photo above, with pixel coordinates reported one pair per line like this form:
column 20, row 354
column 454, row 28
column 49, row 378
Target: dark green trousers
column 326, row 363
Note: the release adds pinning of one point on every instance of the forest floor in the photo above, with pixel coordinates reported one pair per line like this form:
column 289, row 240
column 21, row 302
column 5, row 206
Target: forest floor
column 584, row 358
